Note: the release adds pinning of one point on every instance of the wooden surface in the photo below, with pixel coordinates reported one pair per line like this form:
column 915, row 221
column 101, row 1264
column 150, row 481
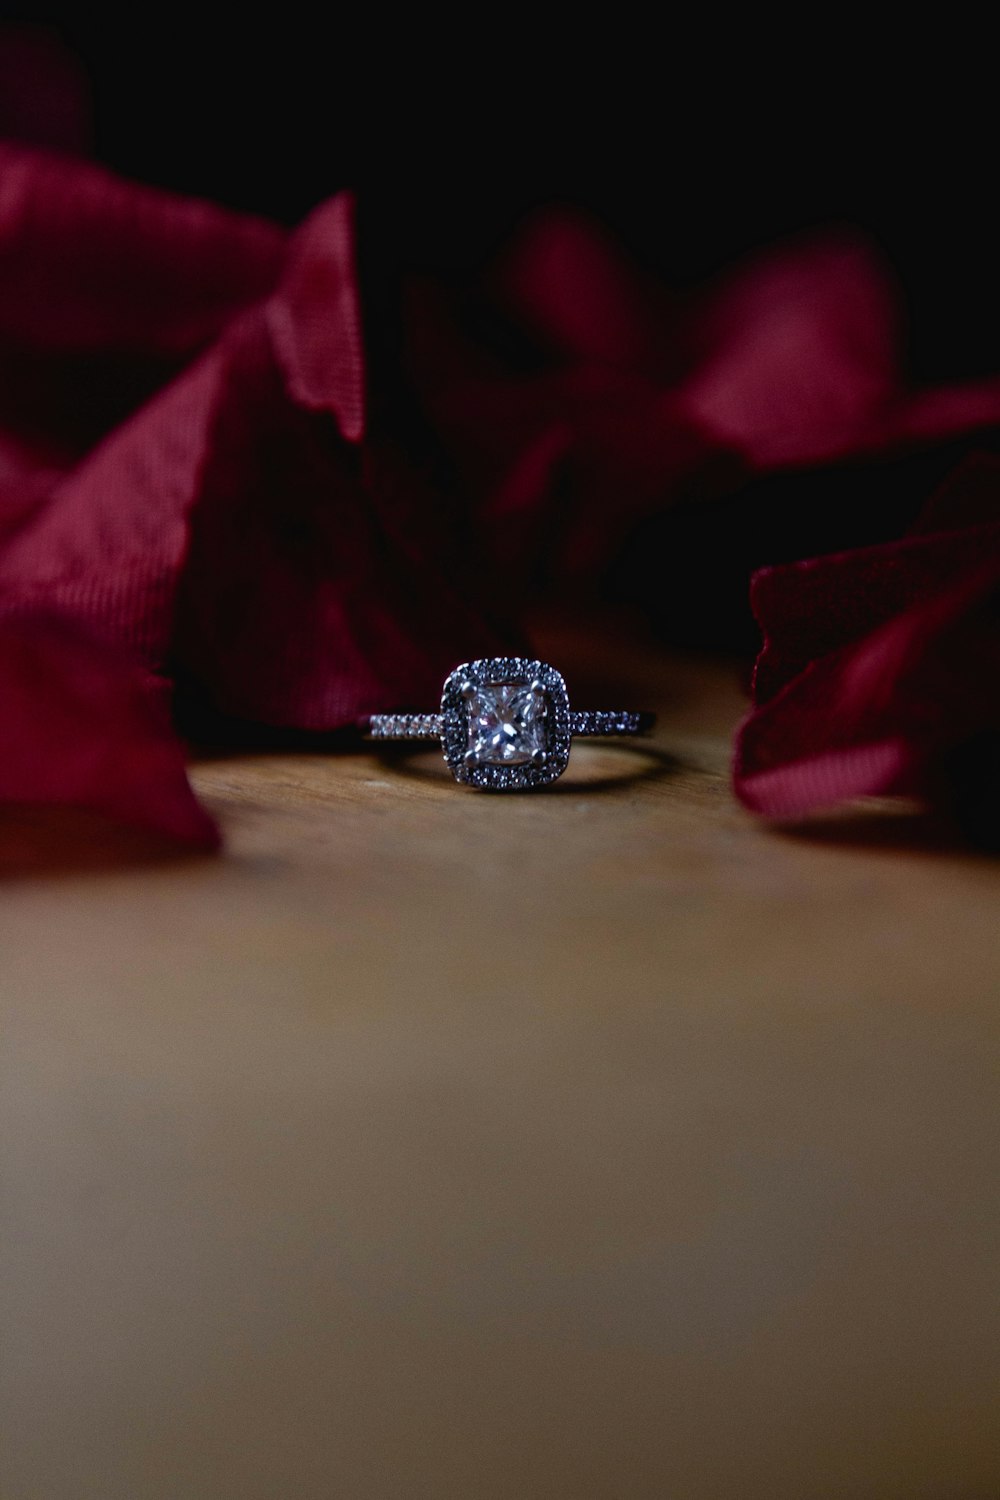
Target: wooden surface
column 598, row 1143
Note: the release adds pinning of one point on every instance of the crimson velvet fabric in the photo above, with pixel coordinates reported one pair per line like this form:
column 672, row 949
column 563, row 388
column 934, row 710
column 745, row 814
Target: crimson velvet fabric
column 206, row 497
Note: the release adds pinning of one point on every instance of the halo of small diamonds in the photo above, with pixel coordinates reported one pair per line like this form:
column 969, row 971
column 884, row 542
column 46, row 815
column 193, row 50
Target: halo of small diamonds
column 455, row 721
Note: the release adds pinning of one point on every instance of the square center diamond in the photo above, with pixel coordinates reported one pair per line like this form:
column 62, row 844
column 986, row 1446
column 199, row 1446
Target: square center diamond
column 506, row 724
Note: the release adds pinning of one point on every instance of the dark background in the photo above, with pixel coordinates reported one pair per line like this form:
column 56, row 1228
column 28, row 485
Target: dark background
column 696, row 141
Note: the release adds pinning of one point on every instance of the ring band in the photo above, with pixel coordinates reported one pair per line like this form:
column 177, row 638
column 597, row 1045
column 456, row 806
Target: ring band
column 588, row 725
column 505, row 723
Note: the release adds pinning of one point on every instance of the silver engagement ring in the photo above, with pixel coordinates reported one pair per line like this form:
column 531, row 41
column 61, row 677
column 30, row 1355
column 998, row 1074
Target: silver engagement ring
column 505, row 724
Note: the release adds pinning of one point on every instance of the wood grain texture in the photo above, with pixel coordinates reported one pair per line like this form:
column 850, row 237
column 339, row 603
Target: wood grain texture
column 597, row 1143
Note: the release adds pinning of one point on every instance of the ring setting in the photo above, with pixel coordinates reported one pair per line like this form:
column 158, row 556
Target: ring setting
column 505, row 724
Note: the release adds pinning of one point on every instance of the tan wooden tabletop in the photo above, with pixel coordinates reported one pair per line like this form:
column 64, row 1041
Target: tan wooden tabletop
column 601, row 1142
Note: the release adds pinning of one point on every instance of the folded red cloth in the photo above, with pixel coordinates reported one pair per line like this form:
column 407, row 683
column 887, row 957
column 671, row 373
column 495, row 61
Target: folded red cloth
column 624, row 397
column 242, row 530
column 201, row 489
column 878, row 664
column 85, row 727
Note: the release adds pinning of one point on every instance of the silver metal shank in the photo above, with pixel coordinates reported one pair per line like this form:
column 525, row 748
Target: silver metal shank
column 608, row 721
column 406, row 726
column 589, row 724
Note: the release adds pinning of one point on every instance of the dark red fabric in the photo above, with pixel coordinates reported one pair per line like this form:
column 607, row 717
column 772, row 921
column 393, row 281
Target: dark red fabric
column 87, row 728
column 624, row 398
column 107, row 290
column 203, row 490
column 242, row 530
column 325, row 579
column 878, row 663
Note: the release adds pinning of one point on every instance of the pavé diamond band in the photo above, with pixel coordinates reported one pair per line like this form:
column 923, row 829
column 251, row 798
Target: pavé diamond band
column 505, row 723
column 431, row 726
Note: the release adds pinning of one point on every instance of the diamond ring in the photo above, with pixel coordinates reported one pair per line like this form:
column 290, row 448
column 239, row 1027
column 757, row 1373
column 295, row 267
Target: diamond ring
column 505, row 723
